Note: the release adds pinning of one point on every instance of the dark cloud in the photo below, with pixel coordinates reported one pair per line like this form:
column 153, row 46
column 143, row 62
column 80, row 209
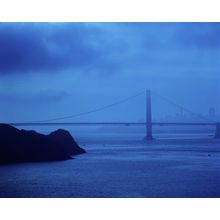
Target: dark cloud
column 103, row 48
column 30, row 47
column 175, row 34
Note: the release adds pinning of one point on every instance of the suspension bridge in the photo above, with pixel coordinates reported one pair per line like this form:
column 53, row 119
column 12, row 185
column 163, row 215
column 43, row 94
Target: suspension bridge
column 148, row 123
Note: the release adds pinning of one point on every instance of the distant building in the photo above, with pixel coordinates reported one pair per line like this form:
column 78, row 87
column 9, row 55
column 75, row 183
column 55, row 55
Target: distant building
column 212, row 112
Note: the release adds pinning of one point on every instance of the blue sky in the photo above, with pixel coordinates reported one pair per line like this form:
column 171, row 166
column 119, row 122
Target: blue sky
column 53, row 69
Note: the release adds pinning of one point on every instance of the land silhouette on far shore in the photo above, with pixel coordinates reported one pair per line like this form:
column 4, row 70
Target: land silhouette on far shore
column 29, row 146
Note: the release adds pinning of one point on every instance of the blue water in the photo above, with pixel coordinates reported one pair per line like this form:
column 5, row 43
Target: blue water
column 123, row 166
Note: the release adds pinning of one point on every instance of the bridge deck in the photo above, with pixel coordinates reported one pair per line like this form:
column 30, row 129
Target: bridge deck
column 111, row 124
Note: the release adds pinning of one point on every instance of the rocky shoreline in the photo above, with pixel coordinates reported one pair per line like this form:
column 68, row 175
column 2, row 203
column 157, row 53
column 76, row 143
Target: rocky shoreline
column 29, row 146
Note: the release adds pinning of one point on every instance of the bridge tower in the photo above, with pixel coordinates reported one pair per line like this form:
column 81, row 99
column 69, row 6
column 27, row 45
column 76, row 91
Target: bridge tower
column 148, row 116
column 217, row 131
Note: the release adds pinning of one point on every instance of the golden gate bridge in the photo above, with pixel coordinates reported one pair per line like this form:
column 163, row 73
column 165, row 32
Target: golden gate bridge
column 148, row 123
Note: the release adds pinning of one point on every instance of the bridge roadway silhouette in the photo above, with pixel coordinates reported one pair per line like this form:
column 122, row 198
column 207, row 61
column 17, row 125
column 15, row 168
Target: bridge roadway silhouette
column 148, row 124
column 111, row 123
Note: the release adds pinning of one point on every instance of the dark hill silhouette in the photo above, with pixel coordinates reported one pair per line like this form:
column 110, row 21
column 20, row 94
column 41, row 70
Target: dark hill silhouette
column 26, row 146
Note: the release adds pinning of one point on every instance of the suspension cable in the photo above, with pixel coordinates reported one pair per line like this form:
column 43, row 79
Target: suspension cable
column 182, row 107
column 93, row 110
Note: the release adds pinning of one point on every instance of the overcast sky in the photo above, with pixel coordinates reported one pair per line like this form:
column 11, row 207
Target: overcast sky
column 49, row 70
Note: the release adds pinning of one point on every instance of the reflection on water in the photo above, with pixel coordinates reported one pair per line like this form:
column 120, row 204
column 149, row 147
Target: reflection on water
column 122, row 166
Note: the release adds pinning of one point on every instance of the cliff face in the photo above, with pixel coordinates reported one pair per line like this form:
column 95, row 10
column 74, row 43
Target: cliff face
column 26, row 146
